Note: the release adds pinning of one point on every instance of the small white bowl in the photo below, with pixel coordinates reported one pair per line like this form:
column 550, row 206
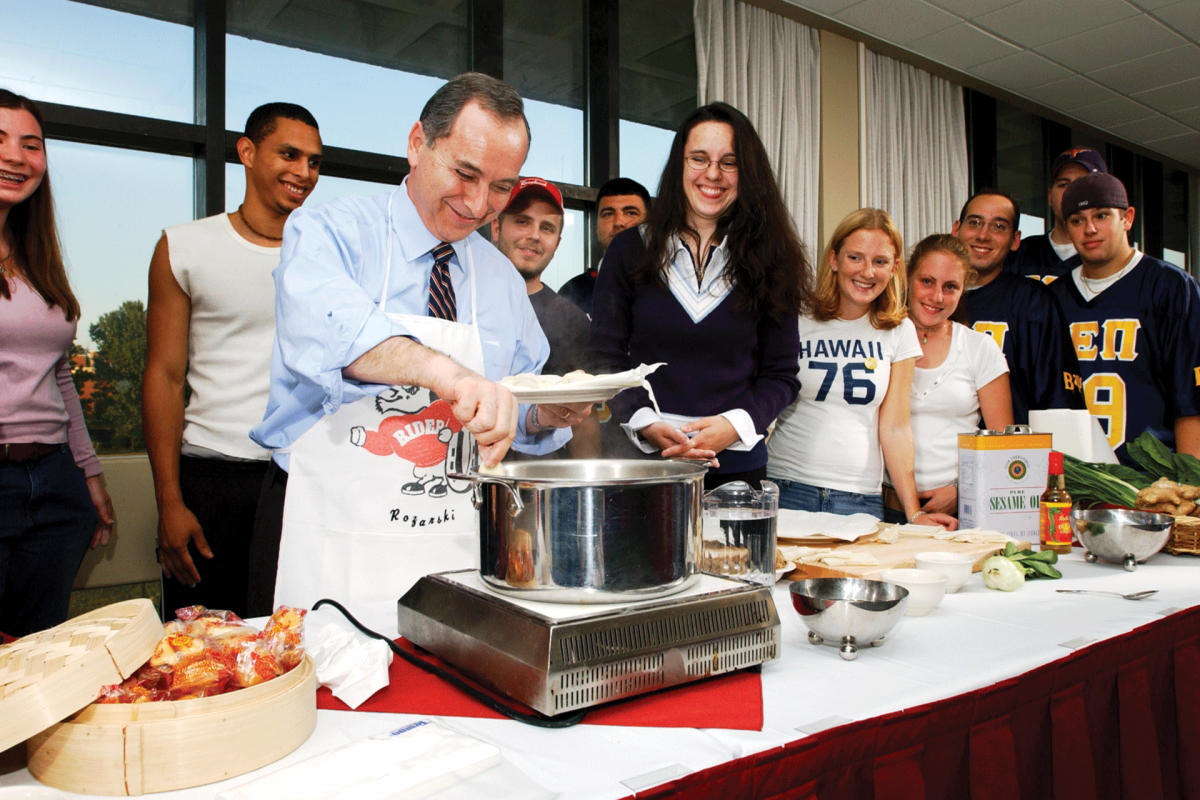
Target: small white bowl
column 955, row 566
column 925, row 588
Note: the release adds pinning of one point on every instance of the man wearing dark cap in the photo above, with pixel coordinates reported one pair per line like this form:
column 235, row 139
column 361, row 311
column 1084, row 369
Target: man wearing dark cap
column 528, row 231
column 1135, row 322
column 1050, row 255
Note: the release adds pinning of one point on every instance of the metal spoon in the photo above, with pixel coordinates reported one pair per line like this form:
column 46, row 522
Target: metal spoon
column 1133, row 596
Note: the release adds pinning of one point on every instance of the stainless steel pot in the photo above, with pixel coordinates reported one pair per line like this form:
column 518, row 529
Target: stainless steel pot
column 589, row 531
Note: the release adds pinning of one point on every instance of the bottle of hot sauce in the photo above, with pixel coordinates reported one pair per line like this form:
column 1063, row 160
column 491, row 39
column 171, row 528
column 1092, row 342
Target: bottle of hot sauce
column 1054, row 514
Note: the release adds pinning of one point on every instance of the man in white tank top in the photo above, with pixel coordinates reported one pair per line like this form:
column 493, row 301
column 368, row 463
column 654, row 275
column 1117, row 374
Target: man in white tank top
column 210, row 324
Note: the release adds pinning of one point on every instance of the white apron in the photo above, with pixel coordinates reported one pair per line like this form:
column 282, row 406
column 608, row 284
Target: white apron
column 369, row 509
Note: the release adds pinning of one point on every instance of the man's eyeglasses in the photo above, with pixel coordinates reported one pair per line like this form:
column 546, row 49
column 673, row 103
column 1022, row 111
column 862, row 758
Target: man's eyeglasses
column 1000, row 227
column 701, row 163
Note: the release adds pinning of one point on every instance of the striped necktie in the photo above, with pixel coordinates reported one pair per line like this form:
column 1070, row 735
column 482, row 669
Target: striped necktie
column 442, row 304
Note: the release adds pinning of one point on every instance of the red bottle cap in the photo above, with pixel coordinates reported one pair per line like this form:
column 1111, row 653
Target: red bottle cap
column 1056, row 467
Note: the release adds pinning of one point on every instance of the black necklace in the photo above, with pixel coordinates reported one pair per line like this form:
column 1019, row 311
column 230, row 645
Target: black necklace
column 246, row 222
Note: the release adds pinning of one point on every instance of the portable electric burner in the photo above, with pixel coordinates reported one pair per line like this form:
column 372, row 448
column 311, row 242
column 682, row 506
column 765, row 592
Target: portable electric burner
column 559, row 657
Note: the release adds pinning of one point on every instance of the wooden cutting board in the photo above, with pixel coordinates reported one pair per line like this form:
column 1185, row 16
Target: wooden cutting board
column 891, row 556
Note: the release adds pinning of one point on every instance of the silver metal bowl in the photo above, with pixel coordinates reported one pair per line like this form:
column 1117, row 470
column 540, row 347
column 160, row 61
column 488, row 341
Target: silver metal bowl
column 850, row 612
column 1121, row 536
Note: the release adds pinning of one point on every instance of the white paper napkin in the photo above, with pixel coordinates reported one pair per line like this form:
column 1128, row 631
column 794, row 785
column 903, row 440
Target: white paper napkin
column 352, row 665
column 1074, row 432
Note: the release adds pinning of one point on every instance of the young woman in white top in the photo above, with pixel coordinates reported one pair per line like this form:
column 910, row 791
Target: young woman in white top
column 857, row 355
column 960, row 373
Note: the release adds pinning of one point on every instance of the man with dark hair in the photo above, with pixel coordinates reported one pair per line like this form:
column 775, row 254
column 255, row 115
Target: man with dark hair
column 1050, row 255
column 1135, row 322
column 1020, row 315
column 621, row 203
column 210, row 322
column 394, row 321
column 528, row 231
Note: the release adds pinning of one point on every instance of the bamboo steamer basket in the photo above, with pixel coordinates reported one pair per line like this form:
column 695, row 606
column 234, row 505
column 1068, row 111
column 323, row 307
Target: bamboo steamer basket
column 133, row 749
column 49, row 675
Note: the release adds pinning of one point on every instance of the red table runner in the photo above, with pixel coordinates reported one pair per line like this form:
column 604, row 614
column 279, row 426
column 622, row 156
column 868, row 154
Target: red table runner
column 728, row 701
column 1118, row 719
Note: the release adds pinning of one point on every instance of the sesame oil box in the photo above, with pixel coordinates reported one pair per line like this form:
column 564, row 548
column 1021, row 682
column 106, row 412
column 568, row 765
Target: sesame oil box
column 1001, row 477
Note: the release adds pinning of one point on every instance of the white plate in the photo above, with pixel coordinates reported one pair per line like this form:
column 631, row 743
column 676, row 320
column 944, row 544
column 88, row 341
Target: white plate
column 568, row 393
column 787, row 567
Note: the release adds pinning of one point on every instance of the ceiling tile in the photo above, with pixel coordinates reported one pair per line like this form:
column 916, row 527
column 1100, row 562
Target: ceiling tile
column 1071, row 93
column 1020, row 72
column 1190, row 116
column 1150, row 5
column 962, row 47
column 825, row 7
column 1171, row 98
column 1183, row 17
column 1036, row 22
column 970, row 9
column 1186, row 148
column 897, row 21
column 1112, row 44
column 1149, row 130
column 1112, row 112
column 1152, row 71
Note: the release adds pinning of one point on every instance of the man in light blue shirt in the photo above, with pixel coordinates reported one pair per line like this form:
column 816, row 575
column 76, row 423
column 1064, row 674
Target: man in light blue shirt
column 338, row 296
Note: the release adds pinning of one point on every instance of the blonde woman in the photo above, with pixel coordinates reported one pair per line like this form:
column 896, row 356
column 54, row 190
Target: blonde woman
column 858, row 351
column 960, row 374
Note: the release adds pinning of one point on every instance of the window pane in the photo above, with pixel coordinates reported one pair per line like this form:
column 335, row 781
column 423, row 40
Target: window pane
column 81, row 55
column 543, row 60
column 658, row 83
column 1019, row 159
column 364, row 69
column 1175, row 217
column 568, row 261
column 644, row 150
column 107, row 257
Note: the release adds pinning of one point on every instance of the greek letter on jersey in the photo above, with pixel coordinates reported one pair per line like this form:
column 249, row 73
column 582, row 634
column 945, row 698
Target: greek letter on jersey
column 996, row 330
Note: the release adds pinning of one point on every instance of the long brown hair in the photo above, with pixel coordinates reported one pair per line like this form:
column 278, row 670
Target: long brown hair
column 768, row 268
column 888, row 309
column 35, row 236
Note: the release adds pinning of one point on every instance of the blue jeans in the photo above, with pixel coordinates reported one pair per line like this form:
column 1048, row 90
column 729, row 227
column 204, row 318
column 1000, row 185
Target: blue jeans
column 803, row 497
column 46, row 524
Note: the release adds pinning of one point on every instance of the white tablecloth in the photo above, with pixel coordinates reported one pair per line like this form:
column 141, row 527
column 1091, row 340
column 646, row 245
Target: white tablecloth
column 973, row 639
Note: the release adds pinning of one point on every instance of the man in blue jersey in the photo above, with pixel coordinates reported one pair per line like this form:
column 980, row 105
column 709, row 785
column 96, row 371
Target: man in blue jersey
column 1019, row 314
column 1051, row 255
column 1135, row 323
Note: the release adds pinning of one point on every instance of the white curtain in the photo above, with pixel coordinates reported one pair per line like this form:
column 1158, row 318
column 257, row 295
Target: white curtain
column 768, row 67
column 916, row 138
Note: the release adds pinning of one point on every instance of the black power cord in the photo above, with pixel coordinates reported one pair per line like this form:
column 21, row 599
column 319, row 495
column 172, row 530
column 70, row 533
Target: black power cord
column 538, row 720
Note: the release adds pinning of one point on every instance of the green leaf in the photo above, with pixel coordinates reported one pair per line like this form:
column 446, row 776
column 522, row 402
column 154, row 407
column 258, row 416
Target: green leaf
column 1043, row 570
column 1155, row 456
column 1009, row 549
column 1187, row 467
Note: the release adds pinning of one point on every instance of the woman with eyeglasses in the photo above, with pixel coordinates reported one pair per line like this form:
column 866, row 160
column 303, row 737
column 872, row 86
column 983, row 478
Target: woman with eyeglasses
column 53, row 504
column 711, row 285
column 858, row 350
column 959, row 375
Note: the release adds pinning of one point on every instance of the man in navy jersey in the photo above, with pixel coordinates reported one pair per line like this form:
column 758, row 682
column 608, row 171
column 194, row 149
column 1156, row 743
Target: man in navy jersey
column 1135, row 323
column 1019, row 314
column 1051, row 255
column 621, row 203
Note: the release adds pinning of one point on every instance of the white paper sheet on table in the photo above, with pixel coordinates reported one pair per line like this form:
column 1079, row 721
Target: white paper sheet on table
column 809, row 524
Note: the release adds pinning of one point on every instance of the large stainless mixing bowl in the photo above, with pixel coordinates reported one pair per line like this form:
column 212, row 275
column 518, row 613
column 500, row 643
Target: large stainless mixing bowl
column 1121, row 536
column 589, row 531
column 850, row 611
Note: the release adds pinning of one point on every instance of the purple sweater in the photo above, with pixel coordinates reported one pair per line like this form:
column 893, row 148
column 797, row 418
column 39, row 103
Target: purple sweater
column 727, row 360
column 38, row 402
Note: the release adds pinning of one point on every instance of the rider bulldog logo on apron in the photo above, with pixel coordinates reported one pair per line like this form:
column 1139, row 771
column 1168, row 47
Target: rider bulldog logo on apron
column 369, row 509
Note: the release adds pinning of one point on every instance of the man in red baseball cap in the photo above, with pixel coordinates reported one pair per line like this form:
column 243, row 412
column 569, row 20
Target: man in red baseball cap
column 528, row 231
column 1047, row 256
